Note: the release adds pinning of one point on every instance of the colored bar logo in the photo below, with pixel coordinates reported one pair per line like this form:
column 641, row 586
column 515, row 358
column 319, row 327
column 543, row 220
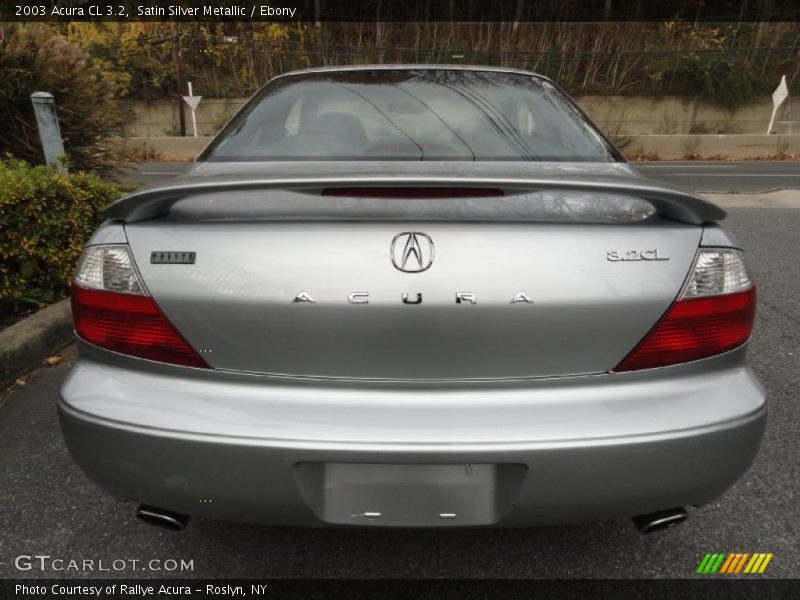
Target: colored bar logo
column 734, row 562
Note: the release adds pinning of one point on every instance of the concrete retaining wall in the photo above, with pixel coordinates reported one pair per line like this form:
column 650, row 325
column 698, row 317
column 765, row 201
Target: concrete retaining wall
column 623, row 115
column 160, row 117
column 618, row 115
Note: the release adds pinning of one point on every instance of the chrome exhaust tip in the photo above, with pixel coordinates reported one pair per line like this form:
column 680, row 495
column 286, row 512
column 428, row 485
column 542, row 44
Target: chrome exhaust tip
column 662, row 519
column 159, row 517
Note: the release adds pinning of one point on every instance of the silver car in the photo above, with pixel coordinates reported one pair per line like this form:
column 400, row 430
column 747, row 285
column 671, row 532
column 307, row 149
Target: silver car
column 412, row 296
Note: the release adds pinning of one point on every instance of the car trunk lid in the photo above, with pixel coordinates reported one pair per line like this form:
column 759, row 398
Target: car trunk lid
column 331, row 298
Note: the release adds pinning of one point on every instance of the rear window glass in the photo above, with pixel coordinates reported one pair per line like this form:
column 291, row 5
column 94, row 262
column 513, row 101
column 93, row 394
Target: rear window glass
column 385, row 114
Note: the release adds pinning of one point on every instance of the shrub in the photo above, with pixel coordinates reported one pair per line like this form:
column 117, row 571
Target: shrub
column 35, row 58
column 45, row 218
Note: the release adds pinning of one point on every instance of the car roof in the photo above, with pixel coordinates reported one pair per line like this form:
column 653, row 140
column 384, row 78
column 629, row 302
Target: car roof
column 410, row 67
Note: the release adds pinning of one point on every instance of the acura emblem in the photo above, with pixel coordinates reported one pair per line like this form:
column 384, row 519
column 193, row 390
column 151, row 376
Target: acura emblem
column 412, row 251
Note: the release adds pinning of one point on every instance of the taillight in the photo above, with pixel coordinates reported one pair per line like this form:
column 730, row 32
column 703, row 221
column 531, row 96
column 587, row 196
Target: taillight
column 111, row 309
column 714, row 314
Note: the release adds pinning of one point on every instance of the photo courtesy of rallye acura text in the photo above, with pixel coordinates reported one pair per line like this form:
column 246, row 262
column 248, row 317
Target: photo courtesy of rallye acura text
column 412, row 296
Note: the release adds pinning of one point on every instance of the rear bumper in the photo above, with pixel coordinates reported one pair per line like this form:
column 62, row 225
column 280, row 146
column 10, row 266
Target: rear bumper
column 645, row 452
column 254, row 482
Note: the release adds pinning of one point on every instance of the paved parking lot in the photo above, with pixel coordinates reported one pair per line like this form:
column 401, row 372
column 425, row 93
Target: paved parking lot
column 47, row 506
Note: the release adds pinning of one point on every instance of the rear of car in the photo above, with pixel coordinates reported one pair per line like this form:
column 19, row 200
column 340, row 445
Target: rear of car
column 413, row 297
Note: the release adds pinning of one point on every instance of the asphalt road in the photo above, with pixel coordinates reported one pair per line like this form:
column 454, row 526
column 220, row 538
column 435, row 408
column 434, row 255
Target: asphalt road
column 47, row 505
column 723, row 176
column 715, row 176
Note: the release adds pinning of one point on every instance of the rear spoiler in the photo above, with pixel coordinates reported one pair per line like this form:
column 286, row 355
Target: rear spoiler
column 309, row 204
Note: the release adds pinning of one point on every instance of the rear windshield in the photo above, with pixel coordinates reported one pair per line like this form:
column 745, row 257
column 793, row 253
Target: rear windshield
column 427, row 114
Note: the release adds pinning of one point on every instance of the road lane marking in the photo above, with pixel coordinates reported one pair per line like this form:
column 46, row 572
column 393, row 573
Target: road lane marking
column 764, row 175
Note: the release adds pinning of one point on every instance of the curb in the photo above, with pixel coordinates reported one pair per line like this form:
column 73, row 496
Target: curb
column 25, row 344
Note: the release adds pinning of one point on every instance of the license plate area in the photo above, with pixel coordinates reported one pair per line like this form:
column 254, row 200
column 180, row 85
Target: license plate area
column 410, row 495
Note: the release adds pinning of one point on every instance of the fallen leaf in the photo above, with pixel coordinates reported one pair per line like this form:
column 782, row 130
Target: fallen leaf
column 52, row 361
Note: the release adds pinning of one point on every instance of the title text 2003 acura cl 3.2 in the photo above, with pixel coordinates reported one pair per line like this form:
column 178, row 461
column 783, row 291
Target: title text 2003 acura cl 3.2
column 412, row 296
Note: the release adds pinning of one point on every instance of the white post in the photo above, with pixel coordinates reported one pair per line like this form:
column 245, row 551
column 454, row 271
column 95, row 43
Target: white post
column 778, row 96
column 193, row 101
column 44, row 108
column 194, row 113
